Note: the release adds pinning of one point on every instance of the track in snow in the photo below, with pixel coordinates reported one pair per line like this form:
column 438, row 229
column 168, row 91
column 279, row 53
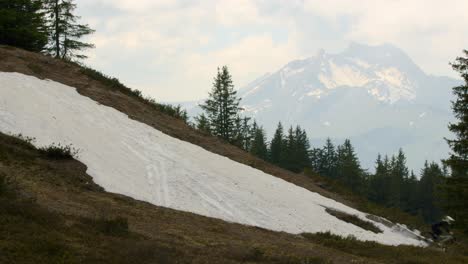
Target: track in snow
column 131, row 158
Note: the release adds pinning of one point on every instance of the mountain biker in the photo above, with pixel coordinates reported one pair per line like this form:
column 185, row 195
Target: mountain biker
column 442, row 226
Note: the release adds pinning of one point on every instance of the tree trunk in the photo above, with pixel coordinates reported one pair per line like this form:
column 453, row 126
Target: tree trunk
column 57, row 29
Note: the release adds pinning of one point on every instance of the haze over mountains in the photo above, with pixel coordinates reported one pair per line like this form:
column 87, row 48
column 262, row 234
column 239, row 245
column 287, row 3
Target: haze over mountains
column 374, row 95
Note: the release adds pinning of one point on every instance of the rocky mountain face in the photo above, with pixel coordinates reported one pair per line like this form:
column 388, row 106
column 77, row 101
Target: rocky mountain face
column 374, row 95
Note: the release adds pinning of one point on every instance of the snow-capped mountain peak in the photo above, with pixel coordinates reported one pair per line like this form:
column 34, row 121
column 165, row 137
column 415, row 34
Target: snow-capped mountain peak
column 386, row 80
column 355, row 94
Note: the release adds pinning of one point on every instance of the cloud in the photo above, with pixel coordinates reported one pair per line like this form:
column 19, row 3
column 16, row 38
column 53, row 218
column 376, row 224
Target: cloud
column 170, row 48
column 432, row 32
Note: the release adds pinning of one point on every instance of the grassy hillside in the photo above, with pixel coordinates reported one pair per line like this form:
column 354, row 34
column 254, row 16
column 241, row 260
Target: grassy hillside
column 52, row 212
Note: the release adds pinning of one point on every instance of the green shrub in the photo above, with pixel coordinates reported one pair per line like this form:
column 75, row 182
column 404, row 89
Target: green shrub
column 59, row 151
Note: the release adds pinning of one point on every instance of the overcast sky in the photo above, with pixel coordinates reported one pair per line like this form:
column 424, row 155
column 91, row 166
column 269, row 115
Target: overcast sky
column 170, row 49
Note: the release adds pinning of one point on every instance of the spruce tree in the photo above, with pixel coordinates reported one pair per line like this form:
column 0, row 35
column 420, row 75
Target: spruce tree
column 202, row 123
column 456, row 187
column 348, row 168
column 259, row 146
column 377, row 182
column 289, row 151
column 246, row 133
column 387, row 166
column 329, row 159
column 242, row 135
column 431, row 177
column 399, row 173
column 276, row 152
column 296, row 150
column 316, row 160
column 458, row 160
column 65, row 31
column 301, row 152
column 412, row 194
column 237, row 137
column 22, row 24
column 222, row 106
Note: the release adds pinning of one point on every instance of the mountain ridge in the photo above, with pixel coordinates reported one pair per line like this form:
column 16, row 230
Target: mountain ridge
column 351, row 93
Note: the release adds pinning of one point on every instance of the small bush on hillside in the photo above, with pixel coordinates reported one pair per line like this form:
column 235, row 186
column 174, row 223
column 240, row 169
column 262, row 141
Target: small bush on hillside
column 58, row 151
column 24, row 139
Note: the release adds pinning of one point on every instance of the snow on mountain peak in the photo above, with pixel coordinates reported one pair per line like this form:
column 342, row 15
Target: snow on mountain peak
column 385, row 72
column 336, row 76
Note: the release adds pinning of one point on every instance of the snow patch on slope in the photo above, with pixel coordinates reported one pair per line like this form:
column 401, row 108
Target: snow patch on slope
column 134, row 159
column 342, row 75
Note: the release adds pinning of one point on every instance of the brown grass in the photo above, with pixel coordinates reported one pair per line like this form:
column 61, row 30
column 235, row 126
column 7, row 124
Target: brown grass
column 52, row 212
column 352, row 219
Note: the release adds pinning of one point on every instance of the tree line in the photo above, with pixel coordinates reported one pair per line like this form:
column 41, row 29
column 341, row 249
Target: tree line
column 48, row 26
column 434, row 192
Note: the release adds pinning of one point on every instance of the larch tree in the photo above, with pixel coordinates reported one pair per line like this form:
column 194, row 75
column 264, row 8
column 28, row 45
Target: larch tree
column 65, row 31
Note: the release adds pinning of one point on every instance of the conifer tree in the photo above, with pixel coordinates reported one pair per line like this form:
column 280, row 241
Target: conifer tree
column 65, row 31
column 246, row 133
column 222, row 106
column 296, row 150
column 456, row 187
column 398, row 174
column 259, row 146
column 377, row 182
column 276, row 152
column 348, row 168
column 242, row 136
column 316, row 160
column 22, row 24
column 289, row 151
column 329, row 159
column 237, row 137
column 301, row 151
column 202, row 123
column 431, row 177
column 412, row 194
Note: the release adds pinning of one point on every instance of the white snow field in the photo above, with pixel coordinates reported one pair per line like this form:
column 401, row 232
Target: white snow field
column 131, row 158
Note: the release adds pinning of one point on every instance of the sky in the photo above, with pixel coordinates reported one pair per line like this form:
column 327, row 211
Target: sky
column 170, row 49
